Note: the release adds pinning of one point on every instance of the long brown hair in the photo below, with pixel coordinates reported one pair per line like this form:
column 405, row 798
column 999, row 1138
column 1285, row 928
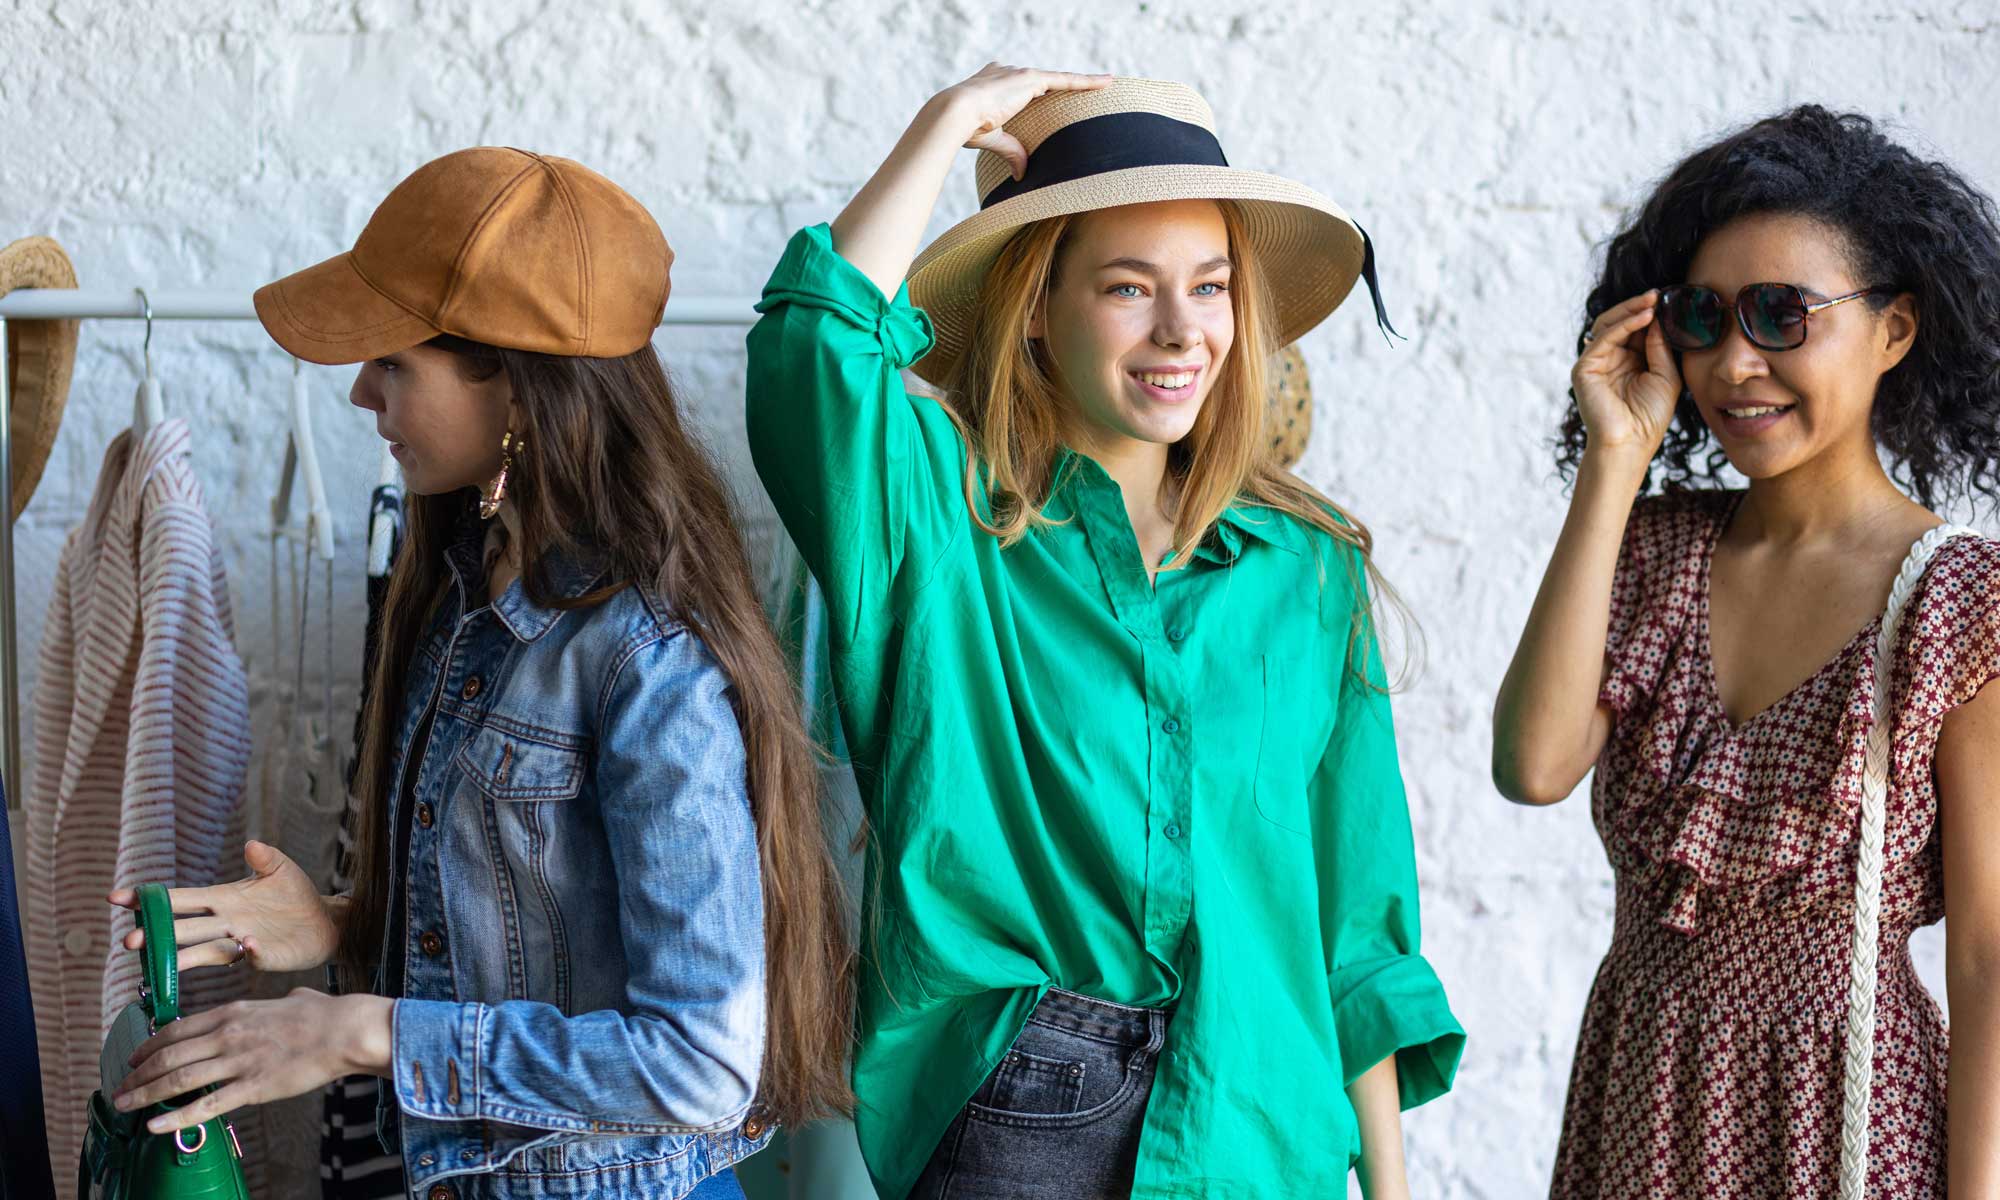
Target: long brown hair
column 1007, row 402
column 610, row 470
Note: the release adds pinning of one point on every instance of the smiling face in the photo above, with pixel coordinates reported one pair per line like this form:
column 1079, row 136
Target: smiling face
column 443, row 427
column 1772, row 411
column 1138, row 321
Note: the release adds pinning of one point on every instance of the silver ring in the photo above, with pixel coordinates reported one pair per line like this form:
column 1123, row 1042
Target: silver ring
column 240, row 953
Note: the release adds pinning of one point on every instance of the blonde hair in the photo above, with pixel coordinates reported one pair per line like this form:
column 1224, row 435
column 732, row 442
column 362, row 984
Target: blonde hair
column 1004, row 398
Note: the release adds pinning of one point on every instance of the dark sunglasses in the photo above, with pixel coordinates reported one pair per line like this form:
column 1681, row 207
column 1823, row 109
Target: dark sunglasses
column 1772, row 315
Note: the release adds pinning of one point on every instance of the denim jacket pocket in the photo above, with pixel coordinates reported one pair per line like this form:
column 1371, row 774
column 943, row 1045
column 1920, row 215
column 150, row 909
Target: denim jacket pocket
column 507, row 766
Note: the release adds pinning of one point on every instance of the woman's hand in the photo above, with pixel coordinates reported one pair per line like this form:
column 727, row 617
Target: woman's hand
column 257, row 1051
column 996, row 94
column 1626, row 381
column 275, row 919
column 878, row 230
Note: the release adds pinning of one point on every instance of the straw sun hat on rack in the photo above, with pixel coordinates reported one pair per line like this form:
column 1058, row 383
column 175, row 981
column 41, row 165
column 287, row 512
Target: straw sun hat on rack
column 40, row 356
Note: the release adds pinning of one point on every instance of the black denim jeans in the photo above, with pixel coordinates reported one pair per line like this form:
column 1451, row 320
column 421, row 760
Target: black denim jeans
column 1059, row 1118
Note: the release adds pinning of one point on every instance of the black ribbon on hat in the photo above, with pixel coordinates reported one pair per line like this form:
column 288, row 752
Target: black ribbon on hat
column 1120, row 141
column 1112, row 142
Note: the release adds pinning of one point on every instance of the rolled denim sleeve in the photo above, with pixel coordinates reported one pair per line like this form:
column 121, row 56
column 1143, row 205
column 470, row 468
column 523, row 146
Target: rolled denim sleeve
column 1386, row 998
column 478, row 1083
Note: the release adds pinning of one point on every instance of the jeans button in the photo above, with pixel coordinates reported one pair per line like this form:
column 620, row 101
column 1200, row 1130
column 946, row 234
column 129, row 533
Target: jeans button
column 431, row 943
column 470, row 690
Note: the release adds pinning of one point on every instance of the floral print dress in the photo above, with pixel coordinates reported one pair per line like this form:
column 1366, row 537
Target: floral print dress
column 1709, row 1063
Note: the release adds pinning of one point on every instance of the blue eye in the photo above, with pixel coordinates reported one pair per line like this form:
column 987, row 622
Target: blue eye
column 1203, row 289
column 1126, row 291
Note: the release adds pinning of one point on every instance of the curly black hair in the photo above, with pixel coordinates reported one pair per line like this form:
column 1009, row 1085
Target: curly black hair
column 1912, row 225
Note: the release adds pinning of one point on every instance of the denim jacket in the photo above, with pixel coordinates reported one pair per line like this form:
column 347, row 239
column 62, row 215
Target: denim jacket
column 577, row 933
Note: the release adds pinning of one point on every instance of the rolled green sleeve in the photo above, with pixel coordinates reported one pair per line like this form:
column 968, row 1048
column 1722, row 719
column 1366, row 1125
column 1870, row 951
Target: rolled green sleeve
column 854, row 464
column 1386, row 999
column 1396, row 1006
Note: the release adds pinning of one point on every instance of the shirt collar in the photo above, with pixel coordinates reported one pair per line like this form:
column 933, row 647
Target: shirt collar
column 1224, row 541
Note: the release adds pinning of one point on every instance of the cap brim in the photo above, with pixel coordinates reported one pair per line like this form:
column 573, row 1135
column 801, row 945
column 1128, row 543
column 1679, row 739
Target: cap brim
column 329, row 314
column 1310, row 249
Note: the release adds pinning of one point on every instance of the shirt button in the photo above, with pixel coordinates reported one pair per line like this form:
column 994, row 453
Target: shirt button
column 425, row 816
column 471, row 688
column 431, row 943
column 1174, row 1057
column 1177, row 634
column 441, row 1191
column 77, row 942
column 1171, row 725
column 1173, row 831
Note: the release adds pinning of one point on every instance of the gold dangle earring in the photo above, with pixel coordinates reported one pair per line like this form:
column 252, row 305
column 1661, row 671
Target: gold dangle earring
column 493, row 493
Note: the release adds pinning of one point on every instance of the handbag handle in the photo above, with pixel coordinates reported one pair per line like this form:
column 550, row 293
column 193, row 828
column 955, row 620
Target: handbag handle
column 1858, row 1061
column 163, row 977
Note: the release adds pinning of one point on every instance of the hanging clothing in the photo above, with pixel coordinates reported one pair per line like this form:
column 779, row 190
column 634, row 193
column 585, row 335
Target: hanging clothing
column 353, row 1163
column 24, row 1164
column 142, row 747
column 1184, row 794
column 1710, row 1058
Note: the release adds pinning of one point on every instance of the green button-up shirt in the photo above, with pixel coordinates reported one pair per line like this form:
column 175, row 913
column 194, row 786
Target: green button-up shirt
column 1180, row 794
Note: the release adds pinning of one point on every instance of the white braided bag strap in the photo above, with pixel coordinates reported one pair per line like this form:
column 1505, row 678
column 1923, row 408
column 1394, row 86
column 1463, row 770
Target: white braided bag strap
column 1858, row 1070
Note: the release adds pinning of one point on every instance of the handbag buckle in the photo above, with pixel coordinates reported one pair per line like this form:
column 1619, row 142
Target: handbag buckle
column 184, row 1148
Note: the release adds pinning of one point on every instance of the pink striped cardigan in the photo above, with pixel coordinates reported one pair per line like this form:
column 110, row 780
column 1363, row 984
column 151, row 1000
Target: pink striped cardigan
column 142, row 745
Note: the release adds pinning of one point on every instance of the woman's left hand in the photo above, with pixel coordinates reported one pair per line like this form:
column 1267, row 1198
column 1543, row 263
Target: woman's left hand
column 257, row 1051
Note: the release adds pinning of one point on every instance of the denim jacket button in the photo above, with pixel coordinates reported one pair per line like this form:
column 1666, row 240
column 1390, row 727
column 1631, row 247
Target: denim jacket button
column 425, row 816
column 441, row 1191
column 470, row 690
column 431, row 942
column 753, row 1128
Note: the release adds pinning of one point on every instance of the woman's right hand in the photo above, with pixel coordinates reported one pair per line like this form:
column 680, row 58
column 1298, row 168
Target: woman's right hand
column 878, row 230
column 275, row 919
column 996, row 94
column 1626, row 381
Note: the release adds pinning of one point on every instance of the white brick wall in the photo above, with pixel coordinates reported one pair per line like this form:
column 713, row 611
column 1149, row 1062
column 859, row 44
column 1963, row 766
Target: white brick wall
column 1487, row 147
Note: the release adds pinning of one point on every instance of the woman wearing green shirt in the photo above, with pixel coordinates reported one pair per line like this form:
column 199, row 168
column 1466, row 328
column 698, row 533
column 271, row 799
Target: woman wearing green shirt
column 1142, row 906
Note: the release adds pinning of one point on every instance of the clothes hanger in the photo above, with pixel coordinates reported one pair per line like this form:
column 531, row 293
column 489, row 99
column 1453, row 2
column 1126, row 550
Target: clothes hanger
column 382, row 530
column 302, row 461
column 148, row 409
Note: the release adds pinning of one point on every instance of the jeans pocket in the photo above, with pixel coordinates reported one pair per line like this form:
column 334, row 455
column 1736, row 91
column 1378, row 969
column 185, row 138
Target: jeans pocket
column 1031, row 1085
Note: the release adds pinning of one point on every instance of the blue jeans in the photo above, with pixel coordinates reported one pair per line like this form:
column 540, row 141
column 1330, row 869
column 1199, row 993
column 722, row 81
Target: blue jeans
column 1059, row 1118
column 720, row 1186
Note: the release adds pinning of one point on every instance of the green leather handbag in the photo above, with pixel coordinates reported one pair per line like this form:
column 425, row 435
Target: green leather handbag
column 121, row 1160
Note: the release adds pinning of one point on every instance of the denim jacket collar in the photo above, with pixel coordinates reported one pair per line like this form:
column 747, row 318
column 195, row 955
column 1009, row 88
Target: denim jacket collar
column 572, row 576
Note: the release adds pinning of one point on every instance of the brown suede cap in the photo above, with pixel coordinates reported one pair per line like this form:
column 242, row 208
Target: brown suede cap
column 497, row 245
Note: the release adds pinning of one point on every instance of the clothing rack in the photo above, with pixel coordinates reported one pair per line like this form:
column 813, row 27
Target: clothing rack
column 62, row 304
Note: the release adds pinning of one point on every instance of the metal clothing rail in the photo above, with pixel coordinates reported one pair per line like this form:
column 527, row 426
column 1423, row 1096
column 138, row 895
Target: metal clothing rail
column 62, row 304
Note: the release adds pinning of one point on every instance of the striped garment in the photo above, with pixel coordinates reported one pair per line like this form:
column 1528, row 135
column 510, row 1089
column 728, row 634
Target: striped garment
column 142, row 745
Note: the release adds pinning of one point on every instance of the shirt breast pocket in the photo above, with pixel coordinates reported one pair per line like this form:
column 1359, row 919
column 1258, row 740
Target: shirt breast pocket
column 1289, row 744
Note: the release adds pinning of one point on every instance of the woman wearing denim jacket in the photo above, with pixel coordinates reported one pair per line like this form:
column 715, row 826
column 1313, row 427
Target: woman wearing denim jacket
column 1143, row 899
column 589, row 819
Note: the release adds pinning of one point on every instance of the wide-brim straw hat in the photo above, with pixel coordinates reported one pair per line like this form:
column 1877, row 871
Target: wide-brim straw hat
column 40, row 357
column 1137, row 141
